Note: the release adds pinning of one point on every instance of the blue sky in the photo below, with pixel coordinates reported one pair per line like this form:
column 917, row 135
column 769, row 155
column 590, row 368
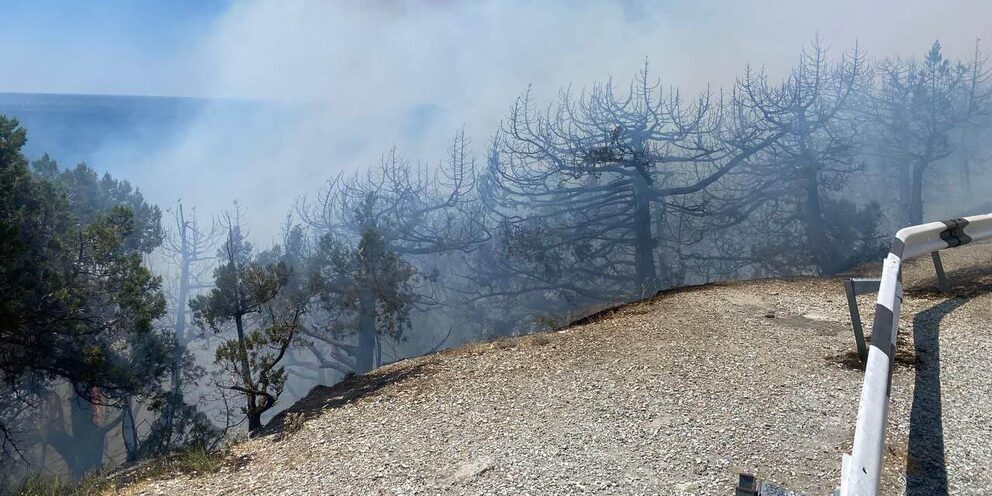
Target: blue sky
column 102, row 46
column 143, row 22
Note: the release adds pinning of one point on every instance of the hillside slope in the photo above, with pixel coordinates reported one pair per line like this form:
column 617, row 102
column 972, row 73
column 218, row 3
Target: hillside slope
column 672, row 395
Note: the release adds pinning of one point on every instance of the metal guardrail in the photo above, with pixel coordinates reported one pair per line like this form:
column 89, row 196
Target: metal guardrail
column 858, row 286
column 861, row 470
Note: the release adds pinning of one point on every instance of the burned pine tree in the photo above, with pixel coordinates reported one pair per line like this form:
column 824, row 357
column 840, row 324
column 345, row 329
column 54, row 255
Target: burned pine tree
column 369, row 287
column 917, row 108
column 191, row 247
column 80, row 439
column 418, row 209
column 798, row 219
column 581, row 193
column 321, row 325
column 394, row 214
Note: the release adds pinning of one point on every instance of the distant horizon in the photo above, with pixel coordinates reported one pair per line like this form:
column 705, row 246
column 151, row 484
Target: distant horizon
column 126, row 95
column 114, row 133
column 125, row 136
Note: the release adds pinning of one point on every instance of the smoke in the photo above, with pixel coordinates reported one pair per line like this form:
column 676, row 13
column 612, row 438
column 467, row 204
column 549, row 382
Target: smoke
column 344, row 81
column 304, row 90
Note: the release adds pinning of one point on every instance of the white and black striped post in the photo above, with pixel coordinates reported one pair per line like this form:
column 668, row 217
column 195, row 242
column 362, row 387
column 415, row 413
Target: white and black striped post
column 861, row 469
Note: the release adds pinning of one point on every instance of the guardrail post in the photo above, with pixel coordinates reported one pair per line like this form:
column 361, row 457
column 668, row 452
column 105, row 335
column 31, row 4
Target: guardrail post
column 853, row 287
column 747, row 485
column 859, row 333
column 939, row 268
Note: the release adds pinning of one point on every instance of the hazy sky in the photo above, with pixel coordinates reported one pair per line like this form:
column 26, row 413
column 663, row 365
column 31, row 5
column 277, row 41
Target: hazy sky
column 103, row 46
column 204, row 47
column 370, row 70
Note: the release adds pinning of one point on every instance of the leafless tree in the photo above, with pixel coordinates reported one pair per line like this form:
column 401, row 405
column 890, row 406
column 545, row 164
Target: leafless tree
column 584, row 194
column 918, row 106
column 191, row 246
column 796, row 221
column 416, row 211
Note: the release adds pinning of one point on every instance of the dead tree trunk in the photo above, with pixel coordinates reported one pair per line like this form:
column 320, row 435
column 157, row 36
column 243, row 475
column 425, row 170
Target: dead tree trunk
column 365, row 357
column 644, row 242
column 916, row 197
column 816, row 236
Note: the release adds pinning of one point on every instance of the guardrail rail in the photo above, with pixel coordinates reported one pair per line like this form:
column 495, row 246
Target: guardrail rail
column 861, row 470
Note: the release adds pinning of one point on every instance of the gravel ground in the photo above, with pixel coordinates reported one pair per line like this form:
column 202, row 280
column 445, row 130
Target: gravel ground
column 675, row 395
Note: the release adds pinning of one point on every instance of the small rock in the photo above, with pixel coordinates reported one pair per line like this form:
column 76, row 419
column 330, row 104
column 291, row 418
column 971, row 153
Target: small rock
column 469, row 469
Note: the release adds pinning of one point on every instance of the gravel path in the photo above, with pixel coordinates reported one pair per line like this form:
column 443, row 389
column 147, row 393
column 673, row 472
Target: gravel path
column 675, row 395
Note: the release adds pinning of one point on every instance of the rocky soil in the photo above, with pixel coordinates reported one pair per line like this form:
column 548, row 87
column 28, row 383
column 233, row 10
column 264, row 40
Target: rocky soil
column 672, row 395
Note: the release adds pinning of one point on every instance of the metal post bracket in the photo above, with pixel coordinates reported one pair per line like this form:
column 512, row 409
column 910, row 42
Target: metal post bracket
column 938, row 267
column 854, row 287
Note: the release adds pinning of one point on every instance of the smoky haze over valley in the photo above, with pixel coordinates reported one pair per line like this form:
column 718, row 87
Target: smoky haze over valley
column 336, row 84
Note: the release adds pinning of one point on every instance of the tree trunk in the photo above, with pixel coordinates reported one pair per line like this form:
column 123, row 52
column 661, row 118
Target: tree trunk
column 816, row 235
column 82, row 451
column 378, row 351
column 905, row 192
column 968, row 139
column 666, row 278
column 916, row 200
column 365, row 357
column 129, row 431
column 644, row 242
column 179, row 350
column 254, row 417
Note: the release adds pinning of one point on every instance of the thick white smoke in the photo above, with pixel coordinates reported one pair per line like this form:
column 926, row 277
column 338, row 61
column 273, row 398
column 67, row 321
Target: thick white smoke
column 358, row 77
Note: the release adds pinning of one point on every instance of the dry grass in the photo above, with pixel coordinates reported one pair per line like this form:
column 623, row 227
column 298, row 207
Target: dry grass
column 506, row 343
column 292, row 423
column 193, row 461
column 46, row 485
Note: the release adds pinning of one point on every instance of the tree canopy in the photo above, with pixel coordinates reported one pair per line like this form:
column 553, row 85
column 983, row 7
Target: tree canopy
column 83, row 304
